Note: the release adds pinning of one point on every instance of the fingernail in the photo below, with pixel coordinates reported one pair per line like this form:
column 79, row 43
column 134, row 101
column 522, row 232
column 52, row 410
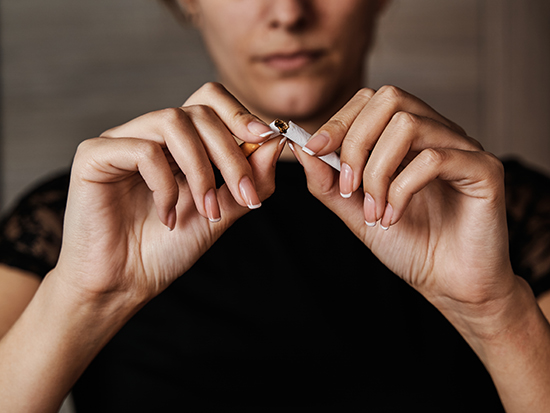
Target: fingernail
column 291, row 146
column 248, row 192
column 369, row 209
column 316, row 143
column 211, row 206
column 385, row 222
column 279, row 150
column 260, row 129
column 171, row 219
column 346, row 180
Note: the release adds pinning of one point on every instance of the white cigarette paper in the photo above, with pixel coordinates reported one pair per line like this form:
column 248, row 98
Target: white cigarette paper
column 300, row 137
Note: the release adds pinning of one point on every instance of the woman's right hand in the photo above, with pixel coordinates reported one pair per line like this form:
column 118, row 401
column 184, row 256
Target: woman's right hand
column 143, row 204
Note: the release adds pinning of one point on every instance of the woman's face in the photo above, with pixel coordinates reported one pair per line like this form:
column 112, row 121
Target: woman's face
column 296, row 59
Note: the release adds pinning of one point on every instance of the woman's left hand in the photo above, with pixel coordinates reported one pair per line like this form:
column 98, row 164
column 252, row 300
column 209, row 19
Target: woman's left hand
column 424, row 197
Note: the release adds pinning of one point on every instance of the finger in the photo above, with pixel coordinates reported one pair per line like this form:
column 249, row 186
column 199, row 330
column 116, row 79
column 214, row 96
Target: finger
column 322, row 181
column 178, row 133
column 224, row 152
column 330, row 136
column 104, row 160
column 239, row 120
column 186, row 132
column 405, row 136
column 475, row 174
column 234, row 115
column 263, row 166
column 369, row 125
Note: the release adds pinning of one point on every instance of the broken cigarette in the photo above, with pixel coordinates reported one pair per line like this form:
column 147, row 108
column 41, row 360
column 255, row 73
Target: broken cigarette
column 299, row 136
column 249, row 148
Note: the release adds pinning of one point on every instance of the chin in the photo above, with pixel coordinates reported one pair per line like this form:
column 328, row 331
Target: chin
column 295, row 101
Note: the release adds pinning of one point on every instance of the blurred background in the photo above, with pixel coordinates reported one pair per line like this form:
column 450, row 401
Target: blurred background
column 71, row 69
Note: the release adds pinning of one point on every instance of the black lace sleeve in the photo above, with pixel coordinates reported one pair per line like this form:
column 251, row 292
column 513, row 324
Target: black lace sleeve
column 30, row 235
column 528, row 212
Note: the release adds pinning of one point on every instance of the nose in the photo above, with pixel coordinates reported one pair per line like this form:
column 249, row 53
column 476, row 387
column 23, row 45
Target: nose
column 289, row 14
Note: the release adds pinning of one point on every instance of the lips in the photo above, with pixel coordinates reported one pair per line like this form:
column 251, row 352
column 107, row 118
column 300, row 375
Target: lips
column 290, row 62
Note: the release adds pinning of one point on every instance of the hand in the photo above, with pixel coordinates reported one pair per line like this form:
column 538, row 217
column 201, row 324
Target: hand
column 143, row 204
column 437, row 196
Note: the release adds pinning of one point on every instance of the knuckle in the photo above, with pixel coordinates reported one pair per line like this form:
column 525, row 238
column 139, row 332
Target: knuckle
column 203, row 175
column 240, row 113
column 338, row 124
column 405, row 121
column 396, row 191
column 172, row 116
column 146, row 149
column 85, row 145
column 374, row 178
column 457, row 128
column 88, row 147
column 391, row 93
column 494, row 164
column 235, row 162
column 433, row 157
column 200, row 111
column 321, row 188
column 475, row 144
column 212, row 88
column 365, row 93
column 399, row 195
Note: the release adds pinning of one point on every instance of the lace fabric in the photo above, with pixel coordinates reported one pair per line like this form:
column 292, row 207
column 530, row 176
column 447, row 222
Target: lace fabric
column 30, row 236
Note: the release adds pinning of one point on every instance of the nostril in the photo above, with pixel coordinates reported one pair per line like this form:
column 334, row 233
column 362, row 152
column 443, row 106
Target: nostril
column 289, row 14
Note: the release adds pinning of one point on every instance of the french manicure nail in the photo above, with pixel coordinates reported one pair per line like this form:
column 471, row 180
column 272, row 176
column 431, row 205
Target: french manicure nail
column 369, row 210
column 248, row 192
column 291, row 146
column 280, row 148
column 346, row 180
column 385, row 222
column 316, row 143
column 259, row 129
column 211, row 206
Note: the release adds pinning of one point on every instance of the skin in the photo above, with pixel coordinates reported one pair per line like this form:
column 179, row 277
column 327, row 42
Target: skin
column 290, row 59
column 432, row 198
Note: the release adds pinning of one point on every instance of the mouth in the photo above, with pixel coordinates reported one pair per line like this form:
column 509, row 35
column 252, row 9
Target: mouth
column 291, row 62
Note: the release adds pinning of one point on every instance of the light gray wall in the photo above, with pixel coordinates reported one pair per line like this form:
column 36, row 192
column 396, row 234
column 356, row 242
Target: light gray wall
column 72, row 69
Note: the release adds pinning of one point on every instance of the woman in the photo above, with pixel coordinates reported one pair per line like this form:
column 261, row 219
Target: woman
column 288, row 308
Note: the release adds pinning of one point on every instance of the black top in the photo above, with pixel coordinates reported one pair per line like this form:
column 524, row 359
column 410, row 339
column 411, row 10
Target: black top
column 279, row 314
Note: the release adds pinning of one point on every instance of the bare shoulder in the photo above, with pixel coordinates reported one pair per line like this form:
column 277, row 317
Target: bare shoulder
column 17, row 287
